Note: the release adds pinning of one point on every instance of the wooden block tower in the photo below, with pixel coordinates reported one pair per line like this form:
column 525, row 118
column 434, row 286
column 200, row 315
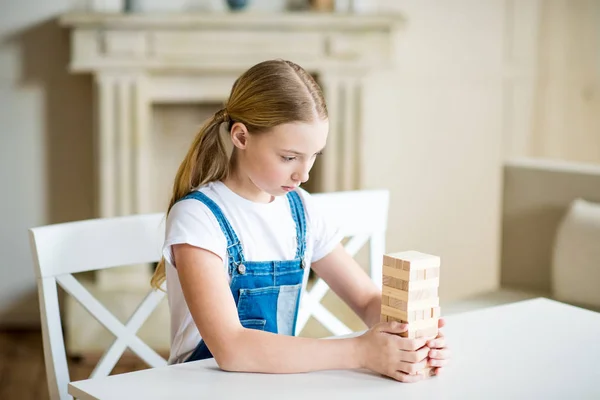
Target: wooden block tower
column 410, row 292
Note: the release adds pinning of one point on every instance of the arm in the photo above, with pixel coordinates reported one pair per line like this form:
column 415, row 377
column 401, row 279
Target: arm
column 235, row 348
column 350, row 282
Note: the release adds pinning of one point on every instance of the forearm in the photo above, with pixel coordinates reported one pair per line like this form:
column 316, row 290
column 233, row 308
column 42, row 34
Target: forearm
column 258, row 351
column 371, row 312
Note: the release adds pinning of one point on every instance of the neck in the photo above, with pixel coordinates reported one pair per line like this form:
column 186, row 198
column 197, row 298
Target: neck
column 243, row 186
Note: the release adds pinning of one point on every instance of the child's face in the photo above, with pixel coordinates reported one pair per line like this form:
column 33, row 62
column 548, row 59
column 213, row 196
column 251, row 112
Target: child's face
column 280, row 160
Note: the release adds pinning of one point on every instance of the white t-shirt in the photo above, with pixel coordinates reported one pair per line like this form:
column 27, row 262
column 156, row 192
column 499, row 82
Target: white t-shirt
column 266, row 230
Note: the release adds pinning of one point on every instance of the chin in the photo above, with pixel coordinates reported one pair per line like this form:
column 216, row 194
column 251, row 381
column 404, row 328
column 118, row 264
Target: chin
column 274, row 191
column 277, row 191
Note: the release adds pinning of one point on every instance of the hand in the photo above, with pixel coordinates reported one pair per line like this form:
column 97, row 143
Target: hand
column 381, row 350
column 439, row 355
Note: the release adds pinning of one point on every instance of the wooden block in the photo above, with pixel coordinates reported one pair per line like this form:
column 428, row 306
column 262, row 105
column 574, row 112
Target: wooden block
column 384, row 318
column 405, row 265
column 423, row 294
column 396, row 295
column 391, row 319
column 423, row 324
column 400, row 274
column 410, row 315
column 410, row 260
column 401, row 284
column 422, row 333
column 422, row 328
column 404, row 295
column 385, row 300
column 389, row 281
column 420, row 274
column 435, row 312
column 413, row 285
column 427, row 332
column 404, row 316
column 420, row 314
column 393, row 312
column 396, row 303
column 389, row 261
column 432, row 273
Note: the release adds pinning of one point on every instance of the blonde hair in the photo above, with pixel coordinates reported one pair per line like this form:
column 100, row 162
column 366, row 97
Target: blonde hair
column 270, row 93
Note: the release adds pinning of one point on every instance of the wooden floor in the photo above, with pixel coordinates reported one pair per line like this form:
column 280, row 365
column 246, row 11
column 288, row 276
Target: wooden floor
column 22, row 371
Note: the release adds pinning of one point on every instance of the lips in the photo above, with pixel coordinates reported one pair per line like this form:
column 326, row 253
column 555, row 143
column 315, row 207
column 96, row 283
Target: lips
column 289, row 188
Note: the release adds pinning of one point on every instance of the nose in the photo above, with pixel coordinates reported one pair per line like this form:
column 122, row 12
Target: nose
column 301, row 175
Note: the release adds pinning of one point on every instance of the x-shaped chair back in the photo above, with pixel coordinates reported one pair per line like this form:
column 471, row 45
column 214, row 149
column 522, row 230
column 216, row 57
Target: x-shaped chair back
column 61, row 250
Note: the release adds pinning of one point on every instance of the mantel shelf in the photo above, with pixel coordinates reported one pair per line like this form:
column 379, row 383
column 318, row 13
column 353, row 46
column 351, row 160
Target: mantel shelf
column 236, row 21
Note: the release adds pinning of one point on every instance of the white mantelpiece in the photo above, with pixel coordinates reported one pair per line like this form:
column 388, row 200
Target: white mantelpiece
column 143, row 59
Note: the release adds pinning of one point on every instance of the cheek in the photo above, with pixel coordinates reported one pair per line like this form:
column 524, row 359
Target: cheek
column 269, row 168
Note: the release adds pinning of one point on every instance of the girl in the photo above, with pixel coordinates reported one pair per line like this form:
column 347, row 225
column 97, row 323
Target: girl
column 241, row 235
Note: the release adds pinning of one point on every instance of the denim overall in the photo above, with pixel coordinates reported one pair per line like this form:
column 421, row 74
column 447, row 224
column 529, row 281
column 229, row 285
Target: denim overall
column 266, row 293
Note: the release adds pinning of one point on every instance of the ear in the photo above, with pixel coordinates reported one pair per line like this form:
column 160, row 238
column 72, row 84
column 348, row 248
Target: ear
column 239, row 135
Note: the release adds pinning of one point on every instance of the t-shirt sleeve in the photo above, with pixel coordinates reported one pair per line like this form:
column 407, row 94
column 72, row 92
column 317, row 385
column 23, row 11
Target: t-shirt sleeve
column 191, row 222
column 325, row 232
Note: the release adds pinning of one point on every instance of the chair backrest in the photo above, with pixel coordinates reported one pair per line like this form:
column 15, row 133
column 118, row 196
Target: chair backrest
column 362, row 217
column 61, row 250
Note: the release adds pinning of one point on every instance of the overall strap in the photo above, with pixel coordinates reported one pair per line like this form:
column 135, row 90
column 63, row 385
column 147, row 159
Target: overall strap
column 300, row 220
column 234, row 246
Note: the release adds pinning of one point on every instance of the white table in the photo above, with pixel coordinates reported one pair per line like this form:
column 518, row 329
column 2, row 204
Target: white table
column 534, row 349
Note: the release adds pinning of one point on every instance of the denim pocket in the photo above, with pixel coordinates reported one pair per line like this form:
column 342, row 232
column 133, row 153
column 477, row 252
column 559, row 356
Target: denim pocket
column 254, row 323
column 275, row 304
column 260, row 303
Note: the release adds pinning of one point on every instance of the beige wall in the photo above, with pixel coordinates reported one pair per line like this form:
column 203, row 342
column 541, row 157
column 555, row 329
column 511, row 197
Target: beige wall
column 435, row 140
column 553, row 88
column 45, row 144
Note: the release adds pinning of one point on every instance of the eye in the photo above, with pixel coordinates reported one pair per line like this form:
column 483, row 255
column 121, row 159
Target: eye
column 287, row 159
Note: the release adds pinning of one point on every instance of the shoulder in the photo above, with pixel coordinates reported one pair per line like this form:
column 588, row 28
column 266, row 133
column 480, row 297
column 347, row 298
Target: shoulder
column 189, row 211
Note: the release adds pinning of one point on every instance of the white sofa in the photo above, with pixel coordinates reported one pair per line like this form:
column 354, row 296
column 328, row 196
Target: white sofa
column 551, row 230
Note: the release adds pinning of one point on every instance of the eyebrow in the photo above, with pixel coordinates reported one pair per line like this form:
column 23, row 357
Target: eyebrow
column 299, row 153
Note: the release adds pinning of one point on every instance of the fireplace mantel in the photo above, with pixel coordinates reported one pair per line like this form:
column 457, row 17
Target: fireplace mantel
column 140, row 59
column 230, row 41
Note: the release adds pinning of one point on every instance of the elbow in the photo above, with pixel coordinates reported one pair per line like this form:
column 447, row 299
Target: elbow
column 229, row 357
column 235, row 352
column 227, row 360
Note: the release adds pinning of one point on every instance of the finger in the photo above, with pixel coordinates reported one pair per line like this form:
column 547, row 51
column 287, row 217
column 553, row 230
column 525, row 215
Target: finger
column 411, row 368
column 438, row 363
column 438, row 343
column 410, row 344
column 414, row 356
column 441, row 323
column 436, row 371
column 393, row 327
column 406, row 378
column 443, row 354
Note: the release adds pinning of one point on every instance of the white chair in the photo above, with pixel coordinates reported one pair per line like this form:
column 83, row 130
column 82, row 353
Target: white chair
column 362, row 217
column 64, row 249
